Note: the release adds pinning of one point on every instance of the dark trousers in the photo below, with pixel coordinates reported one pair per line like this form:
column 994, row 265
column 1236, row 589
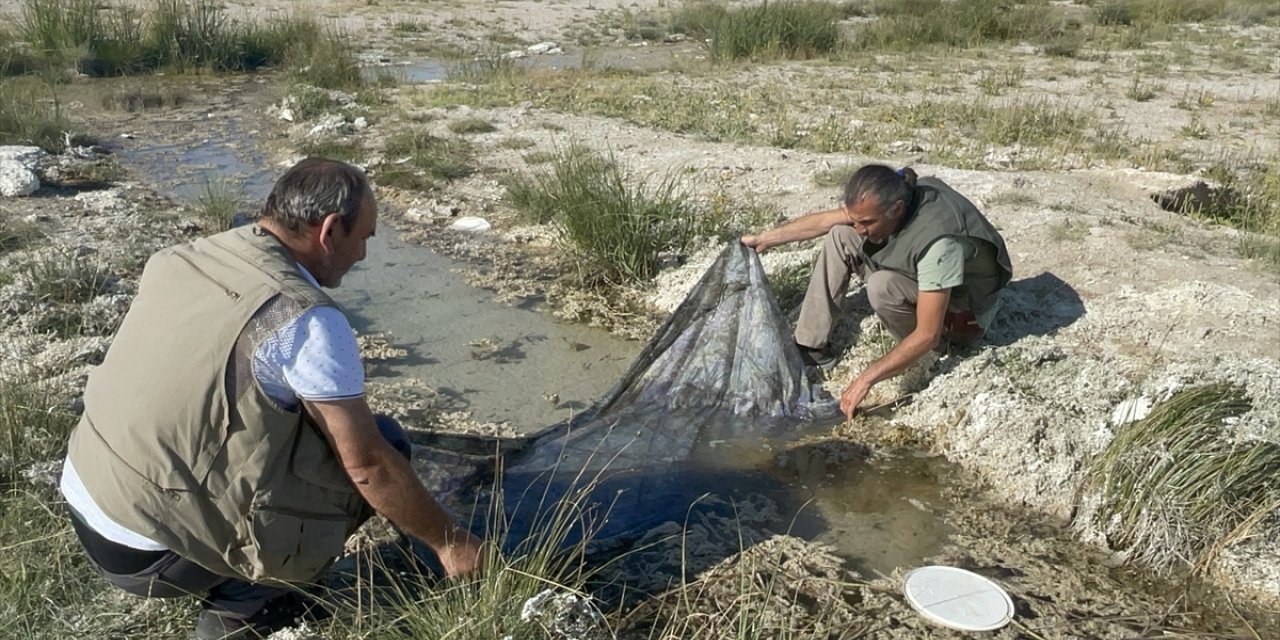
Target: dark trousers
column 165, row 574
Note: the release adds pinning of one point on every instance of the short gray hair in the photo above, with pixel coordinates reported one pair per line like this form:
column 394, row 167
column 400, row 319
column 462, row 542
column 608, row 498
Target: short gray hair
column 314, row 188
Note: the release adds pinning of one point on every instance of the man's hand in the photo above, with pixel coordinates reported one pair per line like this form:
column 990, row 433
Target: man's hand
column 462, row 555
column 755, row 242
column 853, row 396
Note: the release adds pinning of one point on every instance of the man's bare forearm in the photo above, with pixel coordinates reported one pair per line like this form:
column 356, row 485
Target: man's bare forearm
column 392, row 488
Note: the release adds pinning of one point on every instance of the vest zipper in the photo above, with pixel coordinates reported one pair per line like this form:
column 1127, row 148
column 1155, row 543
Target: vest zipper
column 225, row 289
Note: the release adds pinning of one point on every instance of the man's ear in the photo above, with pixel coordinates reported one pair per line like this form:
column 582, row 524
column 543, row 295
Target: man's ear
column 327, row 227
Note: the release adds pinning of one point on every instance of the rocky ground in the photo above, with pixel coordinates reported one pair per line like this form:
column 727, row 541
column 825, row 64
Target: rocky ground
column 1117, row 303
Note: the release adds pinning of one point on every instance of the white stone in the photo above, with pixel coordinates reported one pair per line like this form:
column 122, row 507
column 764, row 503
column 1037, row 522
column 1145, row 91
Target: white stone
column 286, row 114
column 360, row 123
column 470, row 223
column 16, row 179
column 1131, row 410
column 512, row 55
column 542, row 48
column 27, row 156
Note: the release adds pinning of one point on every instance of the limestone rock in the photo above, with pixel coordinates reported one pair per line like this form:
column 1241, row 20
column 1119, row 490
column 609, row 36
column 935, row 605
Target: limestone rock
column 16, row 179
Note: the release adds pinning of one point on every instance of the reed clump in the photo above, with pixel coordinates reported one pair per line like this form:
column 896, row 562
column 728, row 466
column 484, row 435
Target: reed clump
column 620, row 227
column 1176, row 487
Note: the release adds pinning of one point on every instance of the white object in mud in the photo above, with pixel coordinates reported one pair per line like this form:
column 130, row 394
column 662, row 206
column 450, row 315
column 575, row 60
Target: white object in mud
column 958, row 599
column 470, row 223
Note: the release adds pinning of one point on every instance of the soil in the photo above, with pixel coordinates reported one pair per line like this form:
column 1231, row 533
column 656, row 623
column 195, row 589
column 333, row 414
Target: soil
column 1115, row 301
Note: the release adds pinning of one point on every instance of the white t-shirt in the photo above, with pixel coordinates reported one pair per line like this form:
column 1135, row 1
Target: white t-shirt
column 315, row 357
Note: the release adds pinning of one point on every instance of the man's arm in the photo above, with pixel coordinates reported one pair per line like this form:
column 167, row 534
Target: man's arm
column 931, row 310
column 385, row 479
column 806, row 227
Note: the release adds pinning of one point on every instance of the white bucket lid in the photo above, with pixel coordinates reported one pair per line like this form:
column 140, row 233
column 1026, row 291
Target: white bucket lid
column 958, row 599
column 470, row 223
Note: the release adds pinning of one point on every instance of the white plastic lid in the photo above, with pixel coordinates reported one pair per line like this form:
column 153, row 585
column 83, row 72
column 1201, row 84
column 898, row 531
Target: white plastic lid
column 958, row 599
column 470, row 223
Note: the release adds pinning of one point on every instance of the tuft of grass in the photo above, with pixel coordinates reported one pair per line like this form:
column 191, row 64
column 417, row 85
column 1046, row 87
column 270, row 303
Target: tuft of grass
column 835, row 176
column 1140, row 92
column 27, row 118
column 1067, row 231
column 33, row 429
column 441, row 158
column 138, row 97
column 419, row 160
column 911, row 24
column 516, row 143
column 181, row 35
column 770, row 30
column 217, row 204
column 471, row 125
column 1175, row 486
column 342, row 149
column 64, row 278
column 15, row 233
column 620, row 229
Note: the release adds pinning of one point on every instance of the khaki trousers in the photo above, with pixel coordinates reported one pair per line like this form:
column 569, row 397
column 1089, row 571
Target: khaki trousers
column 892, row 295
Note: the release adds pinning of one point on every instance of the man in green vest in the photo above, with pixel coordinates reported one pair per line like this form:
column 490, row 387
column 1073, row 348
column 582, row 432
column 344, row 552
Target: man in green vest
column 931, row 262
column 226, row 449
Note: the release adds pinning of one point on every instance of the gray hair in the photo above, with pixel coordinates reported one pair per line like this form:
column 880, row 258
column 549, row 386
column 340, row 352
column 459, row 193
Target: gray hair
column 314, row 188
column 888, row 186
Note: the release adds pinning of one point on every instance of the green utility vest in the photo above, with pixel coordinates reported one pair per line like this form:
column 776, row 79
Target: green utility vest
column 179, row 443
column 939, row 211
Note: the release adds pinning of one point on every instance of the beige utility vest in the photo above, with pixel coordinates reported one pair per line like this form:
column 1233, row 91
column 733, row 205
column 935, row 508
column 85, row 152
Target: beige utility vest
column 179, row 443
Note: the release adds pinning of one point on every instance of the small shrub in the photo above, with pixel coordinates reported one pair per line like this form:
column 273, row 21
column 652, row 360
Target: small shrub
column 217, row 204
column 471, row 125
column 1139, row 92
column 619, row 229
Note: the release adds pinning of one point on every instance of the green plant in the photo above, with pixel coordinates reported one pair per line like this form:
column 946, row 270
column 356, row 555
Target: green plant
column 1139, row 92
column 619, row 229
column 439, row 158
column 217, row 204
column 516, row 143
column 333, row 148
column 785, row 29
column 910, row 24
column 1175, row 485
column 33, row 428
column 471, row 125
column 15, row 233
column 61, row 277
column 26, row 118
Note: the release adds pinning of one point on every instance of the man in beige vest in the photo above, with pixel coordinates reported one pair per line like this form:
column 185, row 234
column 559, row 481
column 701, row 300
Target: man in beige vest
column 226, row 449
column 932, row 265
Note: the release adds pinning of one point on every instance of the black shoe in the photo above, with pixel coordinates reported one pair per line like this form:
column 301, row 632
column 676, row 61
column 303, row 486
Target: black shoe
column 819, row 358
column 280, row 613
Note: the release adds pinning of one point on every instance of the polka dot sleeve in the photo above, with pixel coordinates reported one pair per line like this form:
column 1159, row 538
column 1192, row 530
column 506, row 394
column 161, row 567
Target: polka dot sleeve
column 322, row 361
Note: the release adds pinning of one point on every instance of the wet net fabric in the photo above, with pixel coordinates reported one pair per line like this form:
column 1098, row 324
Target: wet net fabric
column 720, row 374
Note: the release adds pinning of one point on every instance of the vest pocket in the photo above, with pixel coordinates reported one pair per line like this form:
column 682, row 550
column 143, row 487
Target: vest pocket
column 294, row 547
